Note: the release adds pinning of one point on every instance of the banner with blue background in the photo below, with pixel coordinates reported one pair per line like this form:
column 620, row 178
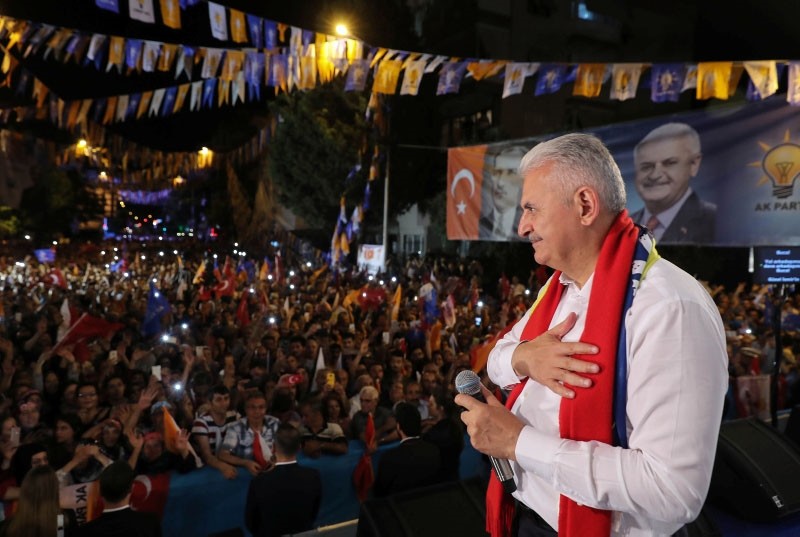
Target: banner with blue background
column 743, row 184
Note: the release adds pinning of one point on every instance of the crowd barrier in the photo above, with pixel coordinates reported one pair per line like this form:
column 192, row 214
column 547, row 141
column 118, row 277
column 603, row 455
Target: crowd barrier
column 203, row 502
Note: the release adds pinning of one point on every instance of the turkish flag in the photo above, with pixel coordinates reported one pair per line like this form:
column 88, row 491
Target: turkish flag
column 150, row 492
column 226, row 287
column 464, row 184
column 242, row 312
column 85, row 328
column 363, row 475
column 55, row 277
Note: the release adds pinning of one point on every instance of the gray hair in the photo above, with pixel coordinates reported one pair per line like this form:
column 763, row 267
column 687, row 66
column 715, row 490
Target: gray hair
column 669, row 131
column 580, row 160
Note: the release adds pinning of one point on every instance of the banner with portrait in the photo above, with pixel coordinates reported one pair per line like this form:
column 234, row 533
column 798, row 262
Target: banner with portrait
column 725, row 176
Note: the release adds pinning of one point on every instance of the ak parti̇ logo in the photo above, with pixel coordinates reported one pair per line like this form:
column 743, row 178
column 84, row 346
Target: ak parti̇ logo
column 781, row 166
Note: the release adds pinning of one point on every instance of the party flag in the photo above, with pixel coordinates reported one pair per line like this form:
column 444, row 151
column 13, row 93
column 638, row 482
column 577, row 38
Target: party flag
column 142, row 10
column 387, row 76
column 180, row 98
column 199, row 274
column 589, row 79
column 396, row 300
column 270, row 34
column 218, row 20
column 357, row 75
column 308, row 73
column 171, row 431
column 256, row 27
column 450, row 77
column 666, row 82
column 238, row 32
column 168, row 104
column 212, row 62
column 150, row 53
column 764, row 77
column 690, row 80
column 515, row 77
column 412, row 77
column 155, row 103
column 168, row 54
column 479, row 354
column 318, row 366
column 157, row 307
column 133, row 53
column 713, row 79
column 171, row 13
column 232, row 65
column 551, row 76
column 793, row 89
column 110, row 5
column 485, row 68
column 625, row 80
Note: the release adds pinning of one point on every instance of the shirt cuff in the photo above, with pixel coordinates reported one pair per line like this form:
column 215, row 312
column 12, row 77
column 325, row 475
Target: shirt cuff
column 536, row 452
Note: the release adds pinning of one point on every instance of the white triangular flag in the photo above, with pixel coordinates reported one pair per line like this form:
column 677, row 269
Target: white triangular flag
column 142, row 10
column 219, row 21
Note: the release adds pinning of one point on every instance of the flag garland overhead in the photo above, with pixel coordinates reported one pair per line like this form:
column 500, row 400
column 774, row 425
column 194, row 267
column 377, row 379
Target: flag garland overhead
column 297, row 58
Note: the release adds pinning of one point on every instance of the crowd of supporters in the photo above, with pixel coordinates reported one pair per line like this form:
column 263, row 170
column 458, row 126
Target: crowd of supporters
column 176, row 356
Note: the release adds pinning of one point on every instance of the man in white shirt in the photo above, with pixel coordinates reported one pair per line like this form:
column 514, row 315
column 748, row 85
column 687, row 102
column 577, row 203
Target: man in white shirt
column 573, row 199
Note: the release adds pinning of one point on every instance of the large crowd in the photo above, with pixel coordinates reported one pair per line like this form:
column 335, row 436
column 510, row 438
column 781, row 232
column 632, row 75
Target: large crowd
column 224, row 347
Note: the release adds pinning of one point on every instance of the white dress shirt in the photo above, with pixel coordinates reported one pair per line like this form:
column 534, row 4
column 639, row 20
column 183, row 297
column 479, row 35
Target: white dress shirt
column 665, row 218
column 677, row 379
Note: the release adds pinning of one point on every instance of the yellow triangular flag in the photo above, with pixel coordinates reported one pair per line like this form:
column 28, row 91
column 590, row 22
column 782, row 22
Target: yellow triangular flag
column 386, row 76
column 398, row 296
column 589, row 79
column 238, row 33
column 713, row 79
column 171, row 13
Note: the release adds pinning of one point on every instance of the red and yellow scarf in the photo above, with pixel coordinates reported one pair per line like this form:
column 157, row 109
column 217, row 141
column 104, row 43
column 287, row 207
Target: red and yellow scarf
column 589, row 416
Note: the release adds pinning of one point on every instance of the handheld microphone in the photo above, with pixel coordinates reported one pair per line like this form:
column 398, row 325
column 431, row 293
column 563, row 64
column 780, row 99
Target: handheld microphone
column 468, row 383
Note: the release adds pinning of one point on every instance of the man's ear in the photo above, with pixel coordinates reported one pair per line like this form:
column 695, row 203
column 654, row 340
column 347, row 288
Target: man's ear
column 695, row 164
column 587, row 203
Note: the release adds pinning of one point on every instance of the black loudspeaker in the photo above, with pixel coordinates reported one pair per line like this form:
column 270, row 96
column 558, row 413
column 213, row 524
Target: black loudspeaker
column 756, row 472
column 456, row 508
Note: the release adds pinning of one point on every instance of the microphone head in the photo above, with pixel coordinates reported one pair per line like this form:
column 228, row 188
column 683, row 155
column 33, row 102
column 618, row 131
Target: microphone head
column 468, row 383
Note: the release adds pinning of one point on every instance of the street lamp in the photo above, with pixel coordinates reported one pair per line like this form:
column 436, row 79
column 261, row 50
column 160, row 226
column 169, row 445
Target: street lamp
column 341, row 30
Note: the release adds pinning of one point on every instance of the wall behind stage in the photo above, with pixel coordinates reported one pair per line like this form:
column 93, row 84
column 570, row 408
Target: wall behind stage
column 749, row 170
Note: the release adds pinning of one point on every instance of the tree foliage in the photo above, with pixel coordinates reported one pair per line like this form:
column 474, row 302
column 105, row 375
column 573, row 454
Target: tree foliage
column 9, row 223
column 58, row 202
column 316, row 144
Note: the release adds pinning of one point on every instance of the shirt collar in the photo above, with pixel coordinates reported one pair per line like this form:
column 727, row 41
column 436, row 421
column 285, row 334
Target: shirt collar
column 665, row 218
column 571, row 285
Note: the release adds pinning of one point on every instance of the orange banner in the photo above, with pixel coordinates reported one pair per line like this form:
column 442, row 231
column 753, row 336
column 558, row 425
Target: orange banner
column 464, row 183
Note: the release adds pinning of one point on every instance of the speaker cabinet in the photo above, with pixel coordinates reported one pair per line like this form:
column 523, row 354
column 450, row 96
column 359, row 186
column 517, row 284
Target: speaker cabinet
column 456, row 508
column 756, row 472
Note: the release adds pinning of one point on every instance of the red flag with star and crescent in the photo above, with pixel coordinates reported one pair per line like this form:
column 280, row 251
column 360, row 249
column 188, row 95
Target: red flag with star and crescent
column 464, row 183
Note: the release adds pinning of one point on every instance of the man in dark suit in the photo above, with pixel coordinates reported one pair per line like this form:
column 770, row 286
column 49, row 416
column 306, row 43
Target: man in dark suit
column 118, row 519
column 286, row 498
column 414, row 463
column 502, row 185
column 665, row 161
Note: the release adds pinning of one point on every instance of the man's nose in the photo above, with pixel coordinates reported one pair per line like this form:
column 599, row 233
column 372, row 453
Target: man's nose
column 525, row 226
column 656, row 172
